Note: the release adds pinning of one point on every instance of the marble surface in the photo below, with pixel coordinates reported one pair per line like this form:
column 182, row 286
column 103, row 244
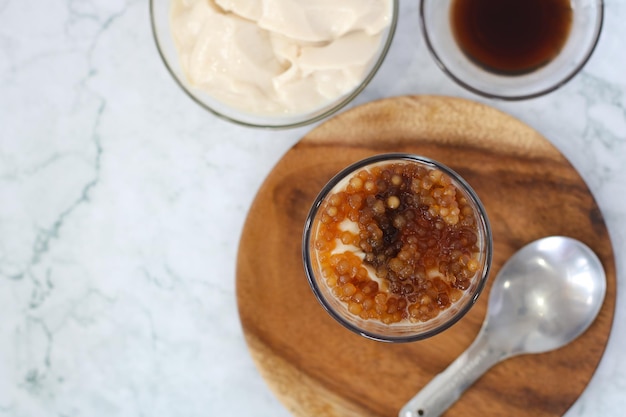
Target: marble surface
column 122, row 201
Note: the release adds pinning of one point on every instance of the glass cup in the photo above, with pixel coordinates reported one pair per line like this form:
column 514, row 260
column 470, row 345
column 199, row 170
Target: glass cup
column 346, row 304
column 586, row 25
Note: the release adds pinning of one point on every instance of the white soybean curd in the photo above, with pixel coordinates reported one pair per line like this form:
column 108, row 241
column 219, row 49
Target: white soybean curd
column 278, row 56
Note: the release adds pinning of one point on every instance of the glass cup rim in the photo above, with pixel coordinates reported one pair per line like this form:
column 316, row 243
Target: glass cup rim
column 299, row 123
column 558, row 84
column 307, row 234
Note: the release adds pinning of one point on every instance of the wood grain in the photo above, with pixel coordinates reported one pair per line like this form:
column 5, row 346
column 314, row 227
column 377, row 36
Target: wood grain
column 318, row 368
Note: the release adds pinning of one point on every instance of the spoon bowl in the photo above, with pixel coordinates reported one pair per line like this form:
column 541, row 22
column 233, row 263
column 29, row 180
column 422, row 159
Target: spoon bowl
column 544, row 297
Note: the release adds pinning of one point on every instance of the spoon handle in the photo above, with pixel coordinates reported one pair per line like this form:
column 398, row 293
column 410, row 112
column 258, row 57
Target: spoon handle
column 445, row 388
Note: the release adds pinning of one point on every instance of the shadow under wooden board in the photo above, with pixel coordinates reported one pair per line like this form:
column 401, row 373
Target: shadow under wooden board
column 318, row 368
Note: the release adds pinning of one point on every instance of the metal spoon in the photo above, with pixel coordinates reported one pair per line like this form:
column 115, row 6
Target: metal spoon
column 544, row 297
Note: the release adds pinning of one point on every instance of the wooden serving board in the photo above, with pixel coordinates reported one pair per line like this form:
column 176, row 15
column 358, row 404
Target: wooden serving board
column 318, row 368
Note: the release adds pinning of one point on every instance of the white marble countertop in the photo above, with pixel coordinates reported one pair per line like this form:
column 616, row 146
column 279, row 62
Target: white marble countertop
column 122, row 201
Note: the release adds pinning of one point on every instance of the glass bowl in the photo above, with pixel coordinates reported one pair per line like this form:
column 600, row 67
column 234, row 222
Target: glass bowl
column 341, row 289
column 587, row 17
column 161, row 28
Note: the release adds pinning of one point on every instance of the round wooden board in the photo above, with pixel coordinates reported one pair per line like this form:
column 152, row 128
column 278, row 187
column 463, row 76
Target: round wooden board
column 318, row 368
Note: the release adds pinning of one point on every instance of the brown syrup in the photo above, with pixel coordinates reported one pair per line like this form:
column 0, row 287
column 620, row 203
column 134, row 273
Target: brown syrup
column 511, row 37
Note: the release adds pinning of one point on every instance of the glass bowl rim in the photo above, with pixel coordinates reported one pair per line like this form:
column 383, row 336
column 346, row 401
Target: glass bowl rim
column 560, row 83
column 389, row 157
column 299, row 123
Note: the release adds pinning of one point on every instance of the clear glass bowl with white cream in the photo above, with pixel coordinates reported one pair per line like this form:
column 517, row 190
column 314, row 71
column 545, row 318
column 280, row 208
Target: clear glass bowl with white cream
column 397, row 247
column 273, row 63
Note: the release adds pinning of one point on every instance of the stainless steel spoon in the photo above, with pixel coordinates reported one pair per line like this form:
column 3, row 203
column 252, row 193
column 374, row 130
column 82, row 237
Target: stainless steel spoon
column 544, row 297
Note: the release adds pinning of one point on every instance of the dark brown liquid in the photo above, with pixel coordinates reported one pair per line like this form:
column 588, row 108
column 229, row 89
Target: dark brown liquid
column 511, row 36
